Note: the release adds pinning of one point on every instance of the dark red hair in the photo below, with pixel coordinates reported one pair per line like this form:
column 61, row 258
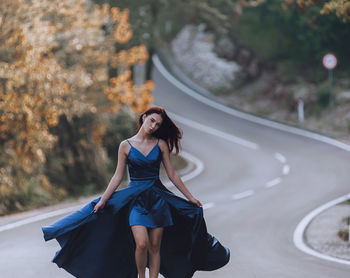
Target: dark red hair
column 167, row 131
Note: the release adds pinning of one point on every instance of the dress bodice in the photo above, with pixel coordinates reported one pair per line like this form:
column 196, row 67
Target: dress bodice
column 144, row 167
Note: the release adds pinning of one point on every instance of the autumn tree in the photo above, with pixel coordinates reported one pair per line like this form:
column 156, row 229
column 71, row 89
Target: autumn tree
column 56, row 58
column 340, row 7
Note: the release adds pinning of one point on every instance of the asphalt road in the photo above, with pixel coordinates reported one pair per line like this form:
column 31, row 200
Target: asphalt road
column 255, row 196
column 259, row 228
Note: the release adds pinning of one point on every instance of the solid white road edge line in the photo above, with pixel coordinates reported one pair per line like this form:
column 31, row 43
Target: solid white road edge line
column 198, row 169
column 213, row 131
column 273, row 182
column 242, row 195
column 38, row 218
column 187, row 90
column 298, row 236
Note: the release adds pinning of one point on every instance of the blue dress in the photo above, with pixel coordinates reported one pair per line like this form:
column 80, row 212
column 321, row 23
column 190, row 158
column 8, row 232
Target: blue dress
column 102, row 245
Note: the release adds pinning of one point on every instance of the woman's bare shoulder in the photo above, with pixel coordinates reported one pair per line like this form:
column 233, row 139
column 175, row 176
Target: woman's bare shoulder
column 124, row 145
column 163, row 144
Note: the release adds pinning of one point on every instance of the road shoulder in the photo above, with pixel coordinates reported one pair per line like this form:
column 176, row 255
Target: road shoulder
column 322, row 232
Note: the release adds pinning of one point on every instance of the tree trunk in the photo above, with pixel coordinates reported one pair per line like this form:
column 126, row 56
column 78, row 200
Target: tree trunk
column 149, row 64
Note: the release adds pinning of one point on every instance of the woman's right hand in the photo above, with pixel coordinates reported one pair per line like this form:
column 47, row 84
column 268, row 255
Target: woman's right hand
column 99, row 205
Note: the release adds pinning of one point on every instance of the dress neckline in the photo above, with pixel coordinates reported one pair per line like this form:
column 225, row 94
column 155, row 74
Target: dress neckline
column 145, row 156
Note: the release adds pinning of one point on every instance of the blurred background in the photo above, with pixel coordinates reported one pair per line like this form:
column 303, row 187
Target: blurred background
column 74, row 74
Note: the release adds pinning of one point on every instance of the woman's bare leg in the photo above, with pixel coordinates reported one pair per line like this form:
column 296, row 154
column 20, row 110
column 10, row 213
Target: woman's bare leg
column 155, row 239
column 142, row 243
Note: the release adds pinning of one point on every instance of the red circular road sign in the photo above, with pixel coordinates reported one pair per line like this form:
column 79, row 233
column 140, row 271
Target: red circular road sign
column 329, row 61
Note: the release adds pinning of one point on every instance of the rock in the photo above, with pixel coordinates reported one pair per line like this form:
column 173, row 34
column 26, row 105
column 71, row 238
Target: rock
column 244, row 57
column 194, row 52
column 343, row 96
column 347, row 117
column 307, row 94
column 254, row 68
column 225, row 48
column 278, row 91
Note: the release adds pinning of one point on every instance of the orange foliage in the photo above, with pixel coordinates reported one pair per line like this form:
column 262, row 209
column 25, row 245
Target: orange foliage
column 340, row 7
column 54, row 59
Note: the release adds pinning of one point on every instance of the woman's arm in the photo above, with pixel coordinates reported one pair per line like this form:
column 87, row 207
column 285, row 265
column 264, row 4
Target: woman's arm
column 173, row 175
column 117, row 177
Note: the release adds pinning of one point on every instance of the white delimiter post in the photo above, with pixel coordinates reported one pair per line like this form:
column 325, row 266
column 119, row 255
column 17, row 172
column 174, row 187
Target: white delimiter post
column 349, row 229
column 300, row 110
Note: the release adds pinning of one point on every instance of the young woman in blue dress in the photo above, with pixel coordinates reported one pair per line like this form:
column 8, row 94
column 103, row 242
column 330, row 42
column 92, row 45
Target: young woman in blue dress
column 154, row 128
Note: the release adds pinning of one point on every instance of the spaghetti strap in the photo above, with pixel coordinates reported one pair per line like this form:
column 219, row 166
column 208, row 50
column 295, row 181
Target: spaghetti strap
column 129, row 142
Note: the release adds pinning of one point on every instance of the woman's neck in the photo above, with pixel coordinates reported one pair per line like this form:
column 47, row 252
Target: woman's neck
column 143, row 136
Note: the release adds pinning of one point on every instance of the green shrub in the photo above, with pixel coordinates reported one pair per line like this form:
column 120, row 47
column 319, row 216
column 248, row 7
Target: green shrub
column 323, row 96
column 344, row 234
column 119, row 127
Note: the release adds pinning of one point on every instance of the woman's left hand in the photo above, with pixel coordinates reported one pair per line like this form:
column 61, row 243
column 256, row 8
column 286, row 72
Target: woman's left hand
column 195, row 201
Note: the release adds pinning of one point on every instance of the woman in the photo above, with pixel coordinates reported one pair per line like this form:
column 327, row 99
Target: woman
column 145, row 224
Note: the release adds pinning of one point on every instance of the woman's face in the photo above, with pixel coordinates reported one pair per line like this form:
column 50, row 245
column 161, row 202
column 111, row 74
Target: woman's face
column 152, row 122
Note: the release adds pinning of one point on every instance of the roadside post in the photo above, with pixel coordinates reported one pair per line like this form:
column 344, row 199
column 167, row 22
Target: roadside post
column 329, row 61
column 349, row 229
column 301, row 110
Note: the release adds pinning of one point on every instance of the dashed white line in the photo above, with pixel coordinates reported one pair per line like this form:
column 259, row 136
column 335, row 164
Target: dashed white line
column 242, row 195
column 273, row 182
column 298, row 235
column 280, row 157
column 285, row 170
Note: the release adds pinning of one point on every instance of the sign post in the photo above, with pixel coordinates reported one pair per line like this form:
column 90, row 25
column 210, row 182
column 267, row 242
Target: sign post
column 329, row 61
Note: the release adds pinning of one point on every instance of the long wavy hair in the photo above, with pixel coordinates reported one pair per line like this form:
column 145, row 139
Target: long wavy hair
column 167, row 131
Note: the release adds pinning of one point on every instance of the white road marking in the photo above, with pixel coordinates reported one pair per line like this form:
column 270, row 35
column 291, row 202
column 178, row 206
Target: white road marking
column 285, row 170
column 38, row 218
column 215, row 132
column 298, row 236
column 299, row 232
column 199, row 166
column 242, row 195
column 243, row 115
column 208, row 205
column 273, row 182
column 280, row 157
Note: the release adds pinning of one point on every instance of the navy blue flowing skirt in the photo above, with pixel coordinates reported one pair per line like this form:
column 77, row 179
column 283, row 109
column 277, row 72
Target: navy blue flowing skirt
column 102, row 245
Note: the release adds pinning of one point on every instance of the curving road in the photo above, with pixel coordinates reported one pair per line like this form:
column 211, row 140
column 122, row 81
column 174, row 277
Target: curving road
column 258, row 196
column 257, row 185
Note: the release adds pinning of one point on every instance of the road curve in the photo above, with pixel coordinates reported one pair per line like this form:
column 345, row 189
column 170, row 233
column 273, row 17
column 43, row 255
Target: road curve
column 255, row 196
column 258, row 196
